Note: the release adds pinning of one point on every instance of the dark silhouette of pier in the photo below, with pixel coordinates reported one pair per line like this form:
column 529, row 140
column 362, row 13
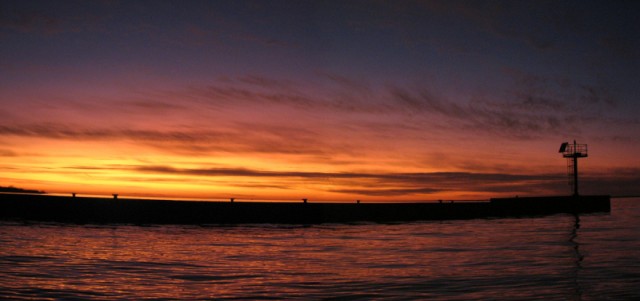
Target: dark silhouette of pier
column 138, row 211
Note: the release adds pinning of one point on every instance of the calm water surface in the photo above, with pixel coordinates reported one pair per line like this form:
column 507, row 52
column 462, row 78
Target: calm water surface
column 559, row 257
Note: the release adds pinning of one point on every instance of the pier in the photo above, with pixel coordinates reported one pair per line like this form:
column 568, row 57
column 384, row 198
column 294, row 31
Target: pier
column 85, row 210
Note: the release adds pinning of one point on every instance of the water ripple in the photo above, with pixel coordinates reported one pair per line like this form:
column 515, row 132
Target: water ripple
column 557, row 257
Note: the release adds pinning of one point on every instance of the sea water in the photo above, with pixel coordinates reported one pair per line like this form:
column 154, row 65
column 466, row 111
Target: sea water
column 558, row 257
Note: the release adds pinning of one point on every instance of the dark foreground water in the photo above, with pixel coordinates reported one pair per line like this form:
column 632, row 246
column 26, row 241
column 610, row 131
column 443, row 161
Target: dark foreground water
column 558, row 257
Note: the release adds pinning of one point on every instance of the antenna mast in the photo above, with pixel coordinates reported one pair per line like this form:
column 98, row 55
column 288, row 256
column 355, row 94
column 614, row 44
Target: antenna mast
column 572, row 152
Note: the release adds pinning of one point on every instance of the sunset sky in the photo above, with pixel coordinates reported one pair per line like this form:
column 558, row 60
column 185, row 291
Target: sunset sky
column 326, row 100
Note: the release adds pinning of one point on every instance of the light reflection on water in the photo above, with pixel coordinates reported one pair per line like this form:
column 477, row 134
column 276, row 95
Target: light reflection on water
column 550, row 258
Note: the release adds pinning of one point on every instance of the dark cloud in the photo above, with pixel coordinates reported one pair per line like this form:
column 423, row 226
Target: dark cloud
column 220, row 95
column 243, row 138
column 58, row 131
column 477, row 117
column 262, row 185
column 532, row 107
column 451, row 177
column 388, row 192
column 342, row 95
column 384, row 184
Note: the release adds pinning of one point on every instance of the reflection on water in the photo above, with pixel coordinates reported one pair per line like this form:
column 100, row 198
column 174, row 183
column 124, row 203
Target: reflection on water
column 558, row 257
column 578, row 256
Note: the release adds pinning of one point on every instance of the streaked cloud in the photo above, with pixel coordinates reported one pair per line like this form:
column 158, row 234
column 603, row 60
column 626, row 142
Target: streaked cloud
column 380, row 184
column 242, row 138
column 618, row 182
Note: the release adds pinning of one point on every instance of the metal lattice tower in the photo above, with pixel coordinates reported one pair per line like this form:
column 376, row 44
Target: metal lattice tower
column 572, row 152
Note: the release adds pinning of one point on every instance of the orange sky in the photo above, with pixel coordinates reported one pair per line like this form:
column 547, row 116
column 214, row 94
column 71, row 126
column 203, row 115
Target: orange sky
column 380, row 102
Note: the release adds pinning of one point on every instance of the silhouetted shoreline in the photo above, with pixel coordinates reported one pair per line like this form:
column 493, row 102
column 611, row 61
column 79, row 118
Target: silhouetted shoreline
column 11, row 189
column 138, row 211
